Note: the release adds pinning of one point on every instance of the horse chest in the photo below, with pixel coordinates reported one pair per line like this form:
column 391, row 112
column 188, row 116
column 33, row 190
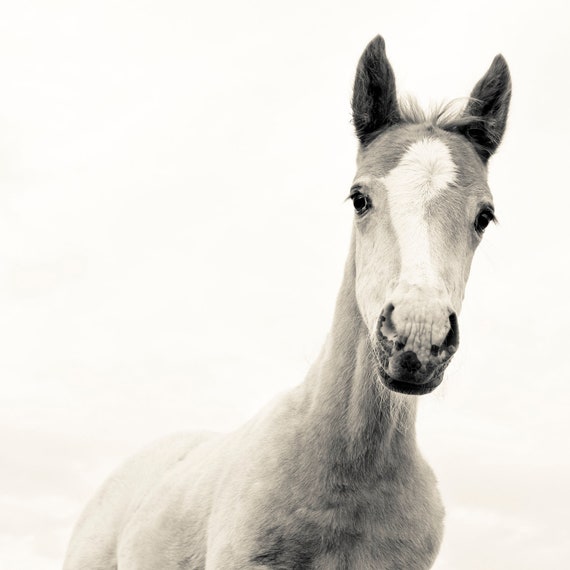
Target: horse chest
column 389, row 531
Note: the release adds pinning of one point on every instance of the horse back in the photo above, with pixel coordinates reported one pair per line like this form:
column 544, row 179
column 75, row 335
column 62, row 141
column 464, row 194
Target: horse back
column 97, row 534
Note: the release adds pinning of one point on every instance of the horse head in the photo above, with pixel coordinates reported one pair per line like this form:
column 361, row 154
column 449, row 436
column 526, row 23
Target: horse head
column 422, row 204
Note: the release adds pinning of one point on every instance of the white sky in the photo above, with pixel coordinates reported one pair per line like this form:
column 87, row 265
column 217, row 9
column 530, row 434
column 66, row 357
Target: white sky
column 173, row 231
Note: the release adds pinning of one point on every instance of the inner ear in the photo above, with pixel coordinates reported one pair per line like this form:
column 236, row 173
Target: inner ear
column 488, row 108
column 374, row 101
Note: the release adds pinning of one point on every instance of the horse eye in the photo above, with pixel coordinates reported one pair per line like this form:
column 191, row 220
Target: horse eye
column 360, row 202
column 484, row 218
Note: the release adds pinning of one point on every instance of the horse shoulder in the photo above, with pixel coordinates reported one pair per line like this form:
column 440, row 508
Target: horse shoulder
column 178, row 517
column 94, row 540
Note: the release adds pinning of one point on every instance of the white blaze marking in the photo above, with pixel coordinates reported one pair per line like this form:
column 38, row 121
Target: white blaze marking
column 422, row 173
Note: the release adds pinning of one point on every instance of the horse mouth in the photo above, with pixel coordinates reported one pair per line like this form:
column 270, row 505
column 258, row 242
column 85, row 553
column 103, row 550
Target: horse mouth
column 402, row 371
column 411, row 388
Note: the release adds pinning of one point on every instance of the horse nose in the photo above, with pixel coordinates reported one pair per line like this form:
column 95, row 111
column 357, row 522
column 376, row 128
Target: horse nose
column 424, row 332
column 418, row 337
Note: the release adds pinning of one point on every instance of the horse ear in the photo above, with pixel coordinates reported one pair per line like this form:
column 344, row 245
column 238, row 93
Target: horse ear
column 488, row 107
column 374, row 103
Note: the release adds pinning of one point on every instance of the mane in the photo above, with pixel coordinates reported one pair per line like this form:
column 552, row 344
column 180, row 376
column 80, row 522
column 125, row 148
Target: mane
column 451, row 116
column 448, row 116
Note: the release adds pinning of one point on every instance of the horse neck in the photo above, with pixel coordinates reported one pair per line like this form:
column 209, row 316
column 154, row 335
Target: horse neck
column 355, row 421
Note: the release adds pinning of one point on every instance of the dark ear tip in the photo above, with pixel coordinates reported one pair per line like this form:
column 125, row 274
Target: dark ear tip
column 500, row 65
column 376, row 44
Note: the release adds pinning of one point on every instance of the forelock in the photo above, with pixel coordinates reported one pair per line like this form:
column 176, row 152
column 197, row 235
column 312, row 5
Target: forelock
column 449, row 116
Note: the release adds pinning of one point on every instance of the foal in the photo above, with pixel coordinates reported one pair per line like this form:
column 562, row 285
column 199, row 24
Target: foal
column 329, row 476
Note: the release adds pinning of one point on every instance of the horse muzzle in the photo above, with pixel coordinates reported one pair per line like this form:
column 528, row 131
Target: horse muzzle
column 415, row 345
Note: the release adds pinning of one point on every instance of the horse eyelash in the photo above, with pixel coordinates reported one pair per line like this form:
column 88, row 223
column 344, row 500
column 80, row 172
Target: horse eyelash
column 494, row 218
column 353, row 192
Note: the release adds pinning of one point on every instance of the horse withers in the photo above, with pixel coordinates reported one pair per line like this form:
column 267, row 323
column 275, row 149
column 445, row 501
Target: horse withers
column 329, row 476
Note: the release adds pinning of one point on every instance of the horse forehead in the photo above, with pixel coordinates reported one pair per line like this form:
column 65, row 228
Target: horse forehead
column 426, row 169
column 423, row 157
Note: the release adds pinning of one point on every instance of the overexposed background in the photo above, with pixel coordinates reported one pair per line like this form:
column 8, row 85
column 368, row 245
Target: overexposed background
column 173, row 232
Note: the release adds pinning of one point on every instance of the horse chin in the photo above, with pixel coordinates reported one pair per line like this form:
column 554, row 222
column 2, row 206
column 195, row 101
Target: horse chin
column 410, row 384
column 411, row 388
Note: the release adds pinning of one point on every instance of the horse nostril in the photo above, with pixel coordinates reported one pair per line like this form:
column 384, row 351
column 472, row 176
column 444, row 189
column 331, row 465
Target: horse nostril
column 452, row 338
column 386, row 327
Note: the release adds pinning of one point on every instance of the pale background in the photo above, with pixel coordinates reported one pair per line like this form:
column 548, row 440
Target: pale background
column 173, row 232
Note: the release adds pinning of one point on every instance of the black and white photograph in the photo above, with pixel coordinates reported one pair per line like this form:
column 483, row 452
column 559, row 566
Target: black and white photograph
column 284, row 286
